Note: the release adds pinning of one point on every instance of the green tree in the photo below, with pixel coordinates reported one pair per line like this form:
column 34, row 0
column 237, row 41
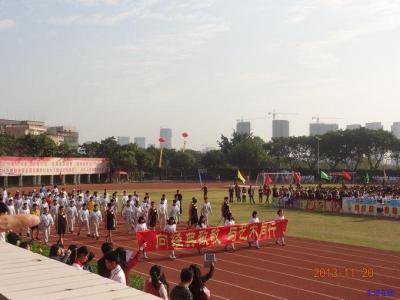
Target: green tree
column 36, row 145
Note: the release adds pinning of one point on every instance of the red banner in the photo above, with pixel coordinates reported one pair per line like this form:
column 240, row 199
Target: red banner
column 212, row 236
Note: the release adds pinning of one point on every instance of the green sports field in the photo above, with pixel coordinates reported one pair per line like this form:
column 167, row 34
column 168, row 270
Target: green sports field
column 354, row 230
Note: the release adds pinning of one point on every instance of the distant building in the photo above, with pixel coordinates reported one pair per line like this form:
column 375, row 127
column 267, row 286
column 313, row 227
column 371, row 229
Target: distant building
column 123, row 140
column 322, row 128
column 140, row 142
column 280, row 128
column 243, row 127
column 19, row 129
column 374, row 125
column 166, row 133
column 353, row 126
column 65, row 134
column 396, row 129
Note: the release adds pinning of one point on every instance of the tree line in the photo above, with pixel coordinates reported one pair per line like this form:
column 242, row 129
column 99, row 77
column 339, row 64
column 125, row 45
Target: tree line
column 352, row 150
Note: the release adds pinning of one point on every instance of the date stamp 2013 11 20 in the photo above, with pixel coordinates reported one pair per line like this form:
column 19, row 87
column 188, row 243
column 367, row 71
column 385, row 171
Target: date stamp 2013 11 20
column 346, row 272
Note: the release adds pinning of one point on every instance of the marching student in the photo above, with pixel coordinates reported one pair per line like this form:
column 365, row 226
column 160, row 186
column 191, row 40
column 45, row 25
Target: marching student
column 153, row 216
column 193, row 216
column 280, row 216
column 252, row 220
column 116, row 202
column 201, row 225
column 229, row 222
column 175, row 211
column 206, row 209
column 54, row 210
column 225, row 209
column 79, row 203
column 72, row 215
column 36, row 212
column 251, row 194
column 171, row 228
column 61, row 224
column 125, row 199
column 110, row 221
column 127, row 213
column 244, row 192
column 141, row 226
column 178, row 197
column 137, row 212
column 46, row 221
column 91, row 204
column 84, row 219
column 24, row 210
column 11, row 207
column 95, row 219
column 163, row 212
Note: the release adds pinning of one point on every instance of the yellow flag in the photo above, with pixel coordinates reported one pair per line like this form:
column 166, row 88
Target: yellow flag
column 240, row 177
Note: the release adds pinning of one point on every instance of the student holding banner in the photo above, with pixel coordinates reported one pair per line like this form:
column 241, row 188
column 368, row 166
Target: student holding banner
column 229, row 222
column 280, row 216
column 254, row 219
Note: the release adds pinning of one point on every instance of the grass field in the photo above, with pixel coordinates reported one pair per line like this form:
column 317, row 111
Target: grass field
column 348, row 229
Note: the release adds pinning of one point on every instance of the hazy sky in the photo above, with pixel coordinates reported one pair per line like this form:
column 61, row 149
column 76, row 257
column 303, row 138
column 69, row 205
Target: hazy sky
column 116, row 67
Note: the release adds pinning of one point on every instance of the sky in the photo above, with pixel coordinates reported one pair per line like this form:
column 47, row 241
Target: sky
column 127, row 68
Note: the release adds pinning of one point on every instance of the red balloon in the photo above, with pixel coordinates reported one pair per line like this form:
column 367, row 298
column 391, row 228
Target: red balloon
column 185, row 134
column 161, row 140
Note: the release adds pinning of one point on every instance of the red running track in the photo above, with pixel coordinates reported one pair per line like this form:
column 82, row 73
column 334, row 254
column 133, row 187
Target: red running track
column 276, row 272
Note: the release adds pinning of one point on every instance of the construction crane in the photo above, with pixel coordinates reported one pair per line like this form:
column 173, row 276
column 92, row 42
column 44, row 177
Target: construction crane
column 274, row 113
column 317, row 118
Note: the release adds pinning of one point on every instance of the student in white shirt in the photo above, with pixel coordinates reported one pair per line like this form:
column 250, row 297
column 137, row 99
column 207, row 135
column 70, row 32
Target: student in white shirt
column 171, row 228
column 24, row 210
column 116, row 272
column 162, row 211
column 84, row 220
column 280, row 216
column 141, row 226
column 252, row 220
column 137, row 212
column 125, row 199
column 72, row 215
column 206, row 209
column 127, row 213
column 43, row 205
column 46, row 221
column 11, row 207
column 175, row 211
column 95, row 220
column 54, row 210
column 229, row 222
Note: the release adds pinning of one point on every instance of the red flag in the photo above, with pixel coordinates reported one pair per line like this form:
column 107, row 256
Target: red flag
column 268, row 180
column 297, row 177
column 346, row 175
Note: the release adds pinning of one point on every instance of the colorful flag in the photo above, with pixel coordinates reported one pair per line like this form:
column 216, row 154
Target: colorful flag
column 346, row 175
column 240, row 177
column 297, row 177
column 268, row 180
column 325, row 176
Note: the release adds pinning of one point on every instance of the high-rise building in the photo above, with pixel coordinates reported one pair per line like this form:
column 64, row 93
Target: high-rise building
column 396, row 129
column 243, row 127
column 280, row 128
column 166, row 133
column 68, row 134
column 123, row 140
column 374, row 125
column 353, row 126
column 322, row 128
column 140, row 142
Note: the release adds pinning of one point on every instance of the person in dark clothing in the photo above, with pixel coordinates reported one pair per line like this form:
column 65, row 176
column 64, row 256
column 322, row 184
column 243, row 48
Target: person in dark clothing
column 225, row 210
column 153, row 216
column 231, row 191
column 193, row 214
column 197, row 287
column 57, row 253
column 110, row 221
column 88, row 266
column 182, row 291
column 101, row 263
column 205, row 191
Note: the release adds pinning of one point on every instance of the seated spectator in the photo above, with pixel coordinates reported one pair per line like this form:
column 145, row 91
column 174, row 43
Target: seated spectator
column 182, row 291
column 157, row 283
column 116, row 272
column 87, row 265
column 101, row 263
column 13, row 238
column 197, row 287
column 127, row 263
column 81, row 257
column 26, row 245
column 57, row 253
column 73, row 255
